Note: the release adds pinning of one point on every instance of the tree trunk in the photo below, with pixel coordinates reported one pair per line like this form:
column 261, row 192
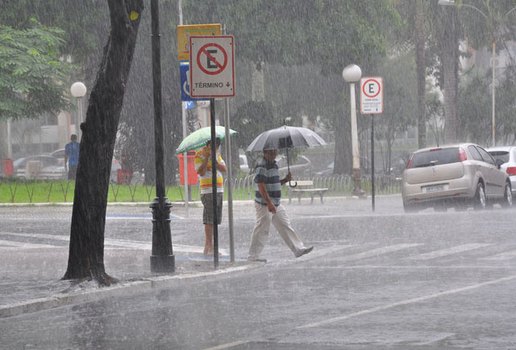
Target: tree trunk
column 86, row 253
column 450, row 61
column 421, row 73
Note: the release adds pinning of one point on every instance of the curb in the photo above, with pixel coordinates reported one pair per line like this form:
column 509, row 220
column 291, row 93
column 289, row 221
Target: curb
column 129, row 288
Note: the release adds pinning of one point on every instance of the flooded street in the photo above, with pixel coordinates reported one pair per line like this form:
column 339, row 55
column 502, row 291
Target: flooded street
column 374, row 280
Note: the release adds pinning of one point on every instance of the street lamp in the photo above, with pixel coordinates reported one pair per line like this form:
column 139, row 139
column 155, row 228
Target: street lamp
column 78, row 90
column 490, row 22
column 352, row 74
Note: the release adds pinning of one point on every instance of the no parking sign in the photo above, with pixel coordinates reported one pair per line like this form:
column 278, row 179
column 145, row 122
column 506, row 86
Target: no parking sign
column 212, row 66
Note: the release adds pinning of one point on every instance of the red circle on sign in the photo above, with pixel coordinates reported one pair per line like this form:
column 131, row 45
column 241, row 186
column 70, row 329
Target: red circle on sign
column 377, row 83
column 221, row 67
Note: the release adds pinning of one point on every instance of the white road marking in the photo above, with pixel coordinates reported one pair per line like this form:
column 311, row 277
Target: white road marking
column 108, row 242
column 24, row 245
column 405, row 267
column 449, row 251
column 405, row 302
column 226, row 346
column 502, row 256
column 377, row 252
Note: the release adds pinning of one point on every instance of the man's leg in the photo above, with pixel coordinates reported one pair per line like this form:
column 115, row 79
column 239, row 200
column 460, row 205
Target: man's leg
column 260, row 232
column 281, row 222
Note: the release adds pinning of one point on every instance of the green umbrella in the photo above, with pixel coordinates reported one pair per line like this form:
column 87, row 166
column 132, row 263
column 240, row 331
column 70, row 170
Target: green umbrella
column 200, row 137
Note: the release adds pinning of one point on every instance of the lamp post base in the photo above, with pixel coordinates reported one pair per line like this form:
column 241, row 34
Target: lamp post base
column 163, row 263
column 162, row 258
column 357, row 186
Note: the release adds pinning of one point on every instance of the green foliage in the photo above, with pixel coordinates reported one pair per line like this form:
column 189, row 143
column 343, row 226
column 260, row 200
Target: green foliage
column 251, row 119
column 329, row 33
column 31, row 72
column 400, row 104
column 475, row 108
column 84, row 24
column 485, row 20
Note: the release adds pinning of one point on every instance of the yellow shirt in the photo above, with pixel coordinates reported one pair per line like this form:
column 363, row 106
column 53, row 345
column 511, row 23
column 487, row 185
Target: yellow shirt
column 205, row 181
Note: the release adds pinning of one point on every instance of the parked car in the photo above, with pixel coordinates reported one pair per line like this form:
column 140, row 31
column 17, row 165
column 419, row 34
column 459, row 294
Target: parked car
column 300, row 167
column 507, row 155
column 115, row 164
column 41, row 167
column 58, row 153
column 244, row 166
column 454, row 176
column 328, row 171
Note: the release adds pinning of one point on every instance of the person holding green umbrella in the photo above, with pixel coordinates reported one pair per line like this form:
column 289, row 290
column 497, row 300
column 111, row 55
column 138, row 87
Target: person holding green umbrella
column 204, row 168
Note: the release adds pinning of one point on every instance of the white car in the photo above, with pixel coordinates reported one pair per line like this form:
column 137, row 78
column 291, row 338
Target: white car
column 454, row 176
column 507, row 156
column 244, row 166
column 42, row 167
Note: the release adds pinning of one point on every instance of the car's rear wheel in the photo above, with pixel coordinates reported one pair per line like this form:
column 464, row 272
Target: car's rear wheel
column 479, row 200
column 507, row 196
column 409, row 208
column 440, row 207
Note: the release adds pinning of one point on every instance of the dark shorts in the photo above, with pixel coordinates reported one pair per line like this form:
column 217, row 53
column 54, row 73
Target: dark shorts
column 207, row 202
column 72, row 172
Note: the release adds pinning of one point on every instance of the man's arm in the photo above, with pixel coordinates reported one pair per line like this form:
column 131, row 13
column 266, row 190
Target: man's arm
column 286, row 179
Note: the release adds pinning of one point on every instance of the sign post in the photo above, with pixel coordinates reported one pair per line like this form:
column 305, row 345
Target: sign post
column 212, row 74
column 183, row 54
column 371, row 102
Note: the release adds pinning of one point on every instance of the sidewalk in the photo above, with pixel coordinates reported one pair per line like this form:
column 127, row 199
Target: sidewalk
column 31, row 278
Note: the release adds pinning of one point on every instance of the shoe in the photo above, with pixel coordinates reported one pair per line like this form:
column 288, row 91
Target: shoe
column 256, row 260
column 304, row 251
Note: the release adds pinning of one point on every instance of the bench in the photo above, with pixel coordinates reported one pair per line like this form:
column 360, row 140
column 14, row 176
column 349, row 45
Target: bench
column 305, row 186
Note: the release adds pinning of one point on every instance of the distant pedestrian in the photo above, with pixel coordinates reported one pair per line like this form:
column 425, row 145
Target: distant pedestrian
column 269, row 209
column 71, row 158
column 203, row 167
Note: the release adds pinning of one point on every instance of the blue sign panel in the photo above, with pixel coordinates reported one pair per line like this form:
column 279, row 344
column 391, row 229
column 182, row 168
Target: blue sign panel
column 184, row 67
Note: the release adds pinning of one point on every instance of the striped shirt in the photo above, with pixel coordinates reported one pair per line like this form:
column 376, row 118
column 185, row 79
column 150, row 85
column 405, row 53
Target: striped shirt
column 268, row 173
column 205, row 181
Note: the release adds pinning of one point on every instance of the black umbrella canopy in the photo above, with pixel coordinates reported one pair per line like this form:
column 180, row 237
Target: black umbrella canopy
column 285, row 137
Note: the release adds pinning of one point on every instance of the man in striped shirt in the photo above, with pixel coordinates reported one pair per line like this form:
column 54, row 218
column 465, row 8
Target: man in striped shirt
column 204, row 169
column 269, row 209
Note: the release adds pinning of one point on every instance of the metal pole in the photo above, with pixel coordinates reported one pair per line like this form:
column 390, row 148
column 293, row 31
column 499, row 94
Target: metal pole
column 229, row 162
column 214, row 184
column 372, row 163
column 357, row 190
column 79, row 122
column 162, row 258
column 493, row 90
column 185, row 131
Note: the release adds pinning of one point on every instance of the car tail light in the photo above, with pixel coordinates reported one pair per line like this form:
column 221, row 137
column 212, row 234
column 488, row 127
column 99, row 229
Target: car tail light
column 409, row 163
column 462, row 155
column 511, row 170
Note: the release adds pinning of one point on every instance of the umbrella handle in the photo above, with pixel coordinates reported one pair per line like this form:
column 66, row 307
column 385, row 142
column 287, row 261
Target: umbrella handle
column 288, row 169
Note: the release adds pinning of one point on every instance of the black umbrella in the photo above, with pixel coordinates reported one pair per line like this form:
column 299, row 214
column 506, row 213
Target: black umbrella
column 285, row 137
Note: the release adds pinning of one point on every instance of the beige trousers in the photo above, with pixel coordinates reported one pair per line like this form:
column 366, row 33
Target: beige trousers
column 281, row 222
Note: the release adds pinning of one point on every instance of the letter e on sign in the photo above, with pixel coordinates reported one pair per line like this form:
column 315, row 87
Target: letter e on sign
column 371, row 95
